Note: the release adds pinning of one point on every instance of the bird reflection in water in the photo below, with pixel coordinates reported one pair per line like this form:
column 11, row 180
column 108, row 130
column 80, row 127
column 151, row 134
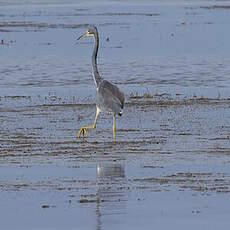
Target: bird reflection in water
column 111, row 192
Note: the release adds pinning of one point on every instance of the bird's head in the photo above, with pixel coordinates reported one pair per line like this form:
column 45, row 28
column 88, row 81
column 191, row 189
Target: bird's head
column 91, row 31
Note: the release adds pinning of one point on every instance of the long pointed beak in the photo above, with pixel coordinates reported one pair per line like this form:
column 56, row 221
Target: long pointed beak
column 83, row 36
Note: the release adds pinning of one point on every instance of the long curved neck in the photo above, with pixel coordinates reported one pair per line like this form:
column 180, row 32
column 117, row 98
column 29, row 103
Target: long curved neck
column 96, row 75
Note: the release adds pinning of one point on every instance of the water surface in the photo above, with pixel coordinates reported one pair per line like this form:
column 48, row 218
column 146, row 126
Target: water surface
column 170, row 164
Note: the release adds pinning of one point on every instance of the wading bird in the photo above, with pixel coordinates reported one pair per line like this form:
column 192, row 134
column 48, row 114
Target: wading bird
column 109, row 97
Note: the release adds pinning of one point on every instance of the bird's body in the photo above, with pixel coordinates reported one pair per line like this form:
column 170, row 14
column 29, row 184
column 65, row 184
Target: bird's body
column 109, row 97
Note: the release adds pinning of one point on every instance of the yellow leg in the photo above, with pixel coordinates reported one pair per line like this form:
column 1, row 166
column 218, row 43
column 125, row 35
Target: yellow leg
column 84, row 128
column 114, row 127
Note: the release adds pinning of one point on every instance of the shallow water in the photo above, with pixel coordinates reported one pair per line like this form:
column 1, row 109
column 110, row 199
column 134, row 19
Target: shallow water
column 170, row 164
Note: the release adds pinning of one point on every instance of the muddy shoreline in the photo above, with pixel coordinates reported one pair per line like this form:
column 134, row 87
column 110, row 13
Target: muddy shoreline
column 169, row 166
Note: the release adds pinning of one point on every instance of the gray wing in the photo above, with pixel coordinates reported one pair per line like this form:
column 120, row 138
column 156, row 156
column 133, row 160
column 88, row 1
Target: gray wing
column 110, row 97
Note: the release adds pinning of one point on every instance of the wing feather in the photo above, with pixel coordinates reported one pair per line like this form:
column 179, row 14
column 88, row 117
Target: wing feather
column 110, row 97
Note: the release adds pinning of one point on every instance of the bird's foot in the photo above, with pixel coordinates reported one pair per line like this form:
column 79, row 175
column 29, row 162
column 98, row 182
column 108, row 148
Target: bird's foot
column 81, row 131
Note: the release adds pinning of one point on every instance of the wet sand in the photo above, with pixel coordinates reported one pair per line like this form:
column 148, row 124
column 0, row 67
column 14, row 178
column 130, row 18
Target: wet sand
column 169, row 167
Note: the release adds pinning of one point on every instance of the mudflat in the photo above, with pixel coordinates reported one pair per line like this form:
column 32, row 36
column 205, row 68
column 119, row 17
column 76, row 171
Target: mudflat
column 169, row 166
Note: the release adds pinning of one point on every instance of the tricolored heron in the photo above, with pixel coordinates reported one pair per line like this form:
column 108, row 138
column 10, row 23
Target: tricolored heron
column 109, row 97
